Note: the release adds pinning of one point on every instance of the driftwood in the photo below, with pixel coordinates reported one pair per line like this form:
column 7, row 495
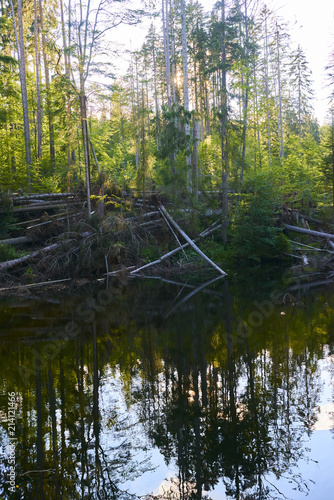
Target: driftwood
column 172, row 252
column 191, row 243
column 309, row 232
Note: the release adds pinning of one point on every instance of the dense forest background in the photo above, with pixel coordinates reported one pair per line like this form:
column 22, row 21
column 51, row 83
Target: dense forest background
column 209, row 101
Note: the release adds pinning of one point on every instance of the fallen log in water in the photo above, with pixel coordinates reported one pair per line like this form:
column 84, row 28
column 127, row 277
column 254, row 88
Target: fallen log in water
column 191, row 243
column 33, row 285
column 172, row 252
column 309, row 232
column 305, row 286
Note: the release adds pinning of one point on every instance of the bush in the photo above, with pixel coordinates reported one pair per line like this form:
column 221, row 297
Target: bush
column 7, row 252
column 255, row 234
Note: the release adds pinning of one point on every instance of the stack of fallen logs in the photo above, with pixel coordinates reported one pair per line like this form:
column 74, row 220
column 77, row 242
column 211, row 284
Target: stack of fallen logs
column 65, row 206
column 40, row 202
column 143, row 222
column 323, row 268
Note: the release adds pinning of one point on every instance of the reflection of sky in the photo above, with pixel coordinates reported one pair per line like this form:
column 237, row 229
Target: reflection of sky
column 317, row 472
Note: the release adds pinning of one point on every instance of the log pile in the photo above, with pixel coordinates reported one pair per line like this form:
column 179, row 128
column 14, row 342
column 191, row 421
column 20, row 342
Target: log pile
column 17, row 203
column 114, row 245
column 316, row 254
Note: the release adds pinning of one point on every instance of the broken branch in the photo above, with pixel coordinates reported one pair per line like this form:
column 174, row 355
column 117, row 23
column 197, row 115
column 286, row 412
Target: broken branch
column 191, row 243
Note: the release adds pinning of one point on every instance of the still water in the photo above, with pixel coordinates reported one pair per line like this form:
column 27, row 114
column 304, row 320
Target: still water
column 161, row 390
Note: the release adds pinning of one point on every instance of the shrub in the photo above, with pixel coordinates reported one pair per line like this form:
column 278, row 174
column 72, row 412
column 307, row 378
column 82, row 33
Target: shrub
column 255, row 234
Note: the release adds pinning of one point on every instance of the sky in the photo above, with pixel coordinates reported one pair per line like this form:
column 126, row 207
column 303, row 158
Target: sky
column 311, row 26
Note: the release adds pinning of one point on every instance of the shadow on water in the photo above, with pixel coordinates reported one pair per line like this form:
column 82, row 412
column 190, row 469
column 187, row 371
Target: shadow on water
column 221, row 382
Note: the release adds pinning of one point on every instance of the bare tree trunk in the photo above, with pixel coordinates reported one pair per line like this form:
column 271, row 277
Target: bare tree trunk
column 257, row 127
column 267, row 96
column 196, row 140
column 38, row 89
column 67, row 71
column 280, row 129
column 157, row 114
column 85, row 140
column 186, row 93
column 165, row 28
column 224, row 156
column 48, row 98
column 23, row 81
column 245, row 100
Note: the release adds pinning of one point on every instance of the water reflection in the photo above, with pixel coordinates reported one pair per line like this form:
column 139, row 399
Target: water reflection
column 105, row 383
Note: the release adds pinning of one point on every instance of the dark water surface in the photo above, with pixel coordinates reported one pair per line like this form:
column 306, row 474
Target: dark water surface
column 158, row 390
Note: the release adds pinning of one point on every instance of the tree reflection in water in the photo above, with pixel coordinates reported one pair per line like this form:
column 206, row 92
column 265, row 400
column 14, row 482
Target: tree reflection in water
column 221, row 410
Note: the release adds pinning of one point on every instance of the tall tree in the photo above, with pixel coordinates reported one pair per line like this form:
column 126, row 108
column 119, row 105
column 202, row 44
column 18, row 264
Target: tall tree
column 20, row 43
column 186, row 94
column 38, row 86
column 48, row 92
column 224, row 124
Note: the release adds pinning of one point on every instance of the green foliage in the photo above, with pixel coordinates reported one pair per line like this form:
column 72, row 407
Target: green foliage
column 255, row 234
column 7, row 252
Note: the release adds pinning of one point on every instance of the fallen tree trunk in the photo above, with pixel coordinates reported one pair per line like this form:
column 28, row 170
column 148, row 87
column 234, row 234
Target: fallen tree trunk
column 191, row 243
column 309, row 248
column 16, row 241
column 45, row 206
column 31, row 285
column 311, row 219
column 42, row 196
column 310, row 232
column 172, row 252
column 13, row 263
